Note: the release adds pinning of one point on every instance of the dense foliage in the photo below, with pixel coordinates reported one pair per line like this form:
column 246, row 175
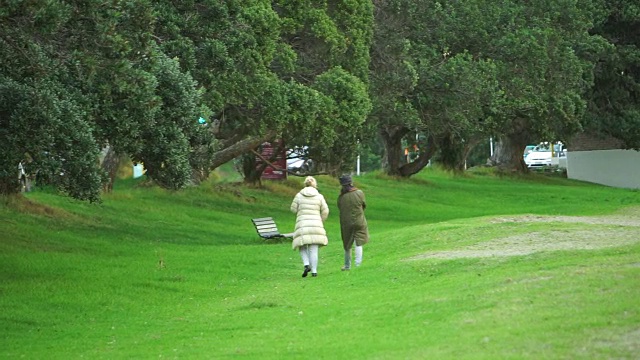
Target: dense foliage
column 135, row 77
column 460, row 72
column 614, row 100
column 186, row 86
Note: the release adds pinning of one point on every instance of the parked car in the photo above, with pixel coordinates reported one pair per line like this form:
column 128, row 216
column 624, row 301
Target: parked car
column 542, row 154
column 297, row 161
column 528, row 149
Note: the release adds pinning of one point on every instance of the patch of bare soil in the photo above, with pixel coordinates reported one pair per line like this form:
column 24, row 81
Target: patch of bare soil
column 616, row 230
column 603, row 220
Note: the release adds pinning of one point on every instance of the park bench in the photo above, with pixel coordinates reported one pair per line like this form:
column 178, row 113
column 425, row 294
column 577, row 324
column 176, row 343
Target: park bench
column 267, row 228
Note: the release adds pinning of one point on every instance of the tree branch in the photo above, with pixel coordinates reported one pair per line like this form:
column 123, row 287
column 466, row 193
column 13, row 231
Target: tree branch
column 241, row 147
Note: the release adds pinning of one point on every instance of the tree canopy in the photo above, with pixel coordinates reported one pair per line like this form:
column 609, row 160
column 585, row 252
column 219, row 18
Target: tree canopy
column 187, row 86
column 460, row 71
column 135, row 76
column 614, row 100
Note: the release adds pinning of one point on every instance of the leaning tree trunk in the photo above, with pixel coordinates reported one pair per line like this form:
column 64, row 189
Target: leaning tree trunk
column 393, row 160
column 425, row 154
column 231, row 152
column 508, row 152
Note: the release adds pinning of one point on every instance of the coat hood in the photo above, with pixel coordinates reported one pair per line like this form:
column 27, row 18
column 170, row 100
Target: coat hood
column 309, row 191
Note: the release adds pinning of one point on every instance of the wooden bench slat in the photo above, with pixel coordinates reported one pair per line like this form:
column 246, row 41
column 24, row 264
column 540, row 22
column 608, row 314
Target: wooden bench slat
column 265, row 224
column 267, row 228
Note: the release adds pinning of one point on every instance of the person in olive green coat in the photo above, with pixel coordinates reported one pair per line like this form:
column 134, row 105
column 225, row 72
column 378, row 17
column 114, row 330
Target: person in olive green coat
column 353, row 224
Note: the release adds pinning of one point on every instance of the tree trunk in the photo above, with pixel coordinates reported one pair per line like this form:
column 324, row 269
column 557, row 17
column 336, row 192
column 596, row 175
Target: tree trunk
column 424, row 156
column 110, row 164
column 468, row 146
column 508, row 152
column 394, row 161
column 250, row 169
column 243, row 146
column 253, row 168
column 392, row 142
column 455, row 153
column 199, row 175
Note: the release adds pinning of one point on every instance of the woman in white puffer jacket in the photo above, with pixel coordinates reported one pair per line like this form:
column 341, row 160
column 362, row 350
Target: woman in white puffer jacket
column 311, row 211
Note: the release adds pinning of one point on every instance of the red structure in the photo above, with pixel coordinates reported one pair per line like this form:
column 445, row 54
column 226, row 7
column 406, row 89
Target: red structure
column 277, row 163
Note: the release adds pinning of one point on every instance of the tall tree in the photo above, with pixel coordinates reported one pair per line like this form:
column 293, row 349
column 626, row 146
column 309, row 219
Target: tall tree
column 425, row 81
column 544, row 54
column 136, row 76
column 119, row 82
column 614, row 100
column 331, row 40
column 258, row 63
column 173, row 146
column 44, row 117
column 471, row 69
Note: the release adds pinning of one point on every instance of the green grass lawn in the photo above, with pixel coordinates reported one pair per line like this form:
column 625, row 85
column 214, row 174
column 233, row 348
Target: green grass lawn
column 473, row 267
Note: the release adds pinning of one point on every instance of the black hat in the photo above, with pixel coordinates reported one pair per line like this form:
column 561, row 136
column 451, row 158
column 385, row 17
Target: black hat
column 345, row 180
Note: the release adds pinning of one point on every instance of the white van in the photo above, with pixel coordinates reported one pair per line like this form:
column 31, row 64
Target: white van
column 542, row 155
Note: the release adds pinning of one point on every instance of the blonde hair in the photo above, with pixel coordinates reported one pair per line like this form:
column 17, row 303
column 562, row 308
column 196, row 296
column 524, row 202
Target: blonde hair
column 310, row 181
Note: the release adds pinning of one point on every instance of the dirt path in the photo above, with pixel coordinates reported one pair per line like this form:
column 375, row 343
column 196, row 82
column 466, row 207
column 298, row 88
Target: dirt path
column 616, row 230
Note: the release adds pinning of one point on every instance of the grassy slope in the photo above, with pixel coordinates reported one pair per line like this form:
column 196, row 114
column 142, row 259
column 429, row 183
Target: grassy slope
column 151, row 273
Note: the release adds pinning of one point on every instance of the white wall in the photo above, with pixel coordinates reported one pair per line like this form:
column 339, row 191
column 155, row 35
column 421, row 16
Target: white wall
column 560, row 162
column 617, row 168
